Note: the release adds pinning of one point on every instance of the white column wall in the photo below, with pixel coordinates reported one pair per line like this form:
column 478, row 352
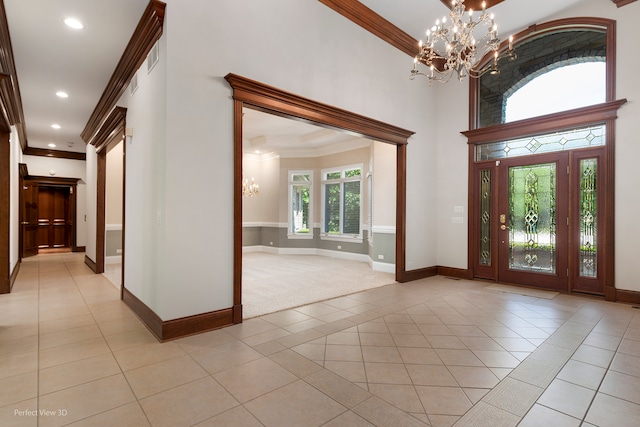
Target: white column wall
column 453, row 158
column 317, row 54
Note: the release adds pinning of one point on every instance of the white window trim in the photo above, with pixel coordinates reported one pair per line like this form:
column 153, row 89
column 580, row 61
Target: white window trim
column 354, row 238
column 290, row 183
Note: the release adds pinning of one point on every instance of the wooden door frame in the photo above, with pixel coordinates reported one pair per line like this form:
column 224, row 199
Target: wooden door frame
column 111, row 133
column 51, row 181
column 258, row 96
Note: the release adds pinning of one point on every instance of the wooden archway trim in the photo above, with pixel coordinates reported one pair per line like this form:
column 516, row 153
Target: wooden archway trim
column 252, row 94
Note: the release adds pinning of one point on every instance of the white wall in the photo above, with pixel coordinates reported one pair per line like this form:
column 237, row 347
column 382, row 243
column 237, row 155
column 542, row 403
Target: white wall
column 91, row 204
column 66, row 168
column 205, row 40
column 15, row 155
column 144, row 194
column 384, row 185
column 453, row 154
column 113, row 203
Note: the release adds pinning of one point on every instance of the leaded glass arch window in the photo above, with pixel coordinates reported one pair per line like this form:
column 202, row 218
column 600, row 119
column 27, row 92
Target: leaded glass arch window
column 546, row 60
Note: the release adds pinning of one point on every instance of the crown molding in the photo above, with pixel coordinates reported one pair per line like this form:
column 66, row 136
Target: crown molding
column 621, row 3
column 56, row 154
column 360, row 14
column 11, row 112
column 146, row 34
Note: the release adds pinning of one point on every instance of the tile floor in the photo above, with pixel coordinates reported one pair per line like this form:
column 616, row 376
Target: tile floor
column 437, row 352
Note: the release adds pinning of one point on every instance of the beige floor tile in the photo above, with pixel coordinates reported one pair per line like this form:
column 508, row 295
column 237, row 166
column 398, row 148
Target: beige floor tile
column 607, row 342
column 337, row 388
column 225, row 356
column 311, row 351
column 295, row 404
column 387, row 373
column 19, row 345
column 187, row 404
column 446, row 342
column 18, row 388
column 348, row 419
column 376, row 339
column 381, row 354
column 443, row 420
column 147, row 354
column 403, row 397
column 85, row 400
column 130, row 339
column 66, row 323
column 16, row 364
column 434, row 330
column 451, row 357
column 555, row 397
column 20, row 414
column 593, row 356
column 380, row 413
column 622, row 386
column 431, row 375
column 164, row 375
column 285, row 318
column 72, row 352
column 630, row 346
column 626, row 364
column 513, row 396
column 410, row 340
column 419, row 356
column 515, row 344
column 130, row 415
column 120, row 326
column 253, row 379
column 444, row 400
column 344, row 353
column 582, row 374
column 69, row 336
column 71, row 374
column 351, row 371
column 609, row 411
column 295, row 363
column 343, row 338
column 236, row 417
column 541, row 415
column 474, row 376
column 476, row 394
column 249, row 327
column 483, row 414
column 496, row 359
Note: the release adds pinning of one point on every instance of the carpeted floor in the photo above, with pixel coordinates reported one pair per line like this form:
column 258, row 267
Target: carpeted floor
column 272, row 283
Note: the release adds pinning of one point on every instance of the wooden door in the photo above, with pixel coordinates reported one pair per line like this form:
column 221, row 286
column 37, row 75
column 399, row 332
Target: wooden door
column 533, row 202
column 29, row 220
column 53, row 217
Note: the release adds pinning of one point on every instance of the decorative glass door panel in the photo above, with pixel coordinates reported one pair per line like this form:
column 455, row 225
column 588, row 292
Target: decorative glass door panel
column 532, row 223
column 532, row 218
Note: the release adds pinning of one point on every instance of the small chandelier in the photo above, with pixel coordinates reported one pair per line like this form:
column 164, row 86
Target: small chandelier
column 452, row 49
column 250, row 189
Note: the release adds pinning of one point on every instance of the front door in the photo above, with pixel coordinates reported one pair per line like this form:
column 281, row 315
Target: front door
column 537, row 220
column 533, row 207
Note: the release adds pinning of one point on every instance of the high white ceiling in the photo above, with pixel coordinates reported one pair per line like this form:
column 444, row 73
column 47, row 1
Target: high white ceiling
column 50, row 56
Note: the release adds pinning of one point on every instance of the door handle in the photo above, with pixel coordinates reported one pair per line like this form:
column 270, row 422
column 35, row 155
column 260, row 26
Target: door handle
column 24, row 223
column 503, row 227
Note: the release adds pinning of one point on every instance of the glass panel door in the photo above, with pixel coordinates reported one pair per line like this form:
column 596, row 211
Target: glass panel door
column 533, row 221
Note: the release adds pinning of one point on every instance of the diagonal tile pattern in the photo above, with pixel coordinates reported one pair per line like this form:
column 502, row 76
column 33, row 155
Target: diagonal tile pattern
column 434, row 352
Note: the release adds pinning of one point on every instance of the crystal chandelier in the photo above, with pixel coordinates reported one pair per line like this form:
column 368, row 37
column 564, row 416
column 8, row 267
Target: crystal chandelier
column 250, row 189
column 453, row 48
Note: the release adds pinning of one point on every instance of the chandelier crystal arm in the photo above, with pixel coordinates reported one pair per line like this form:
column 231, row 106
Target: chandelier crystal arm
column 453, row 49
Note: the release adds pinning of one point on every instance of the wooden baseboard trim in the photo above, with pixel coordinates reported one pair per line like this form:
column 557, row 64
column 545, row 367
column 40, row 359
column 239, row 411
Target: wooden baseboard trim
column 422, row 273
column 237, row 313
column 631, row 297
column 14, row 275
column 148, row 316
column 185, row 326
column 79, row 249
column 182, row 327
column 458, row 273
column 91, row 264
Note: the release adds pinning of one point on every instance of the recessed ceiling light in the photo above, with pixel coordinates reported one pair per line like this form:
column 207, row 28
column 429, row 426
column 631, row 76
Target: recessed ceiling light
column 62, row 94
column 74, row 23
column 257, row 151
column 56, row 126
column 51, row 144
